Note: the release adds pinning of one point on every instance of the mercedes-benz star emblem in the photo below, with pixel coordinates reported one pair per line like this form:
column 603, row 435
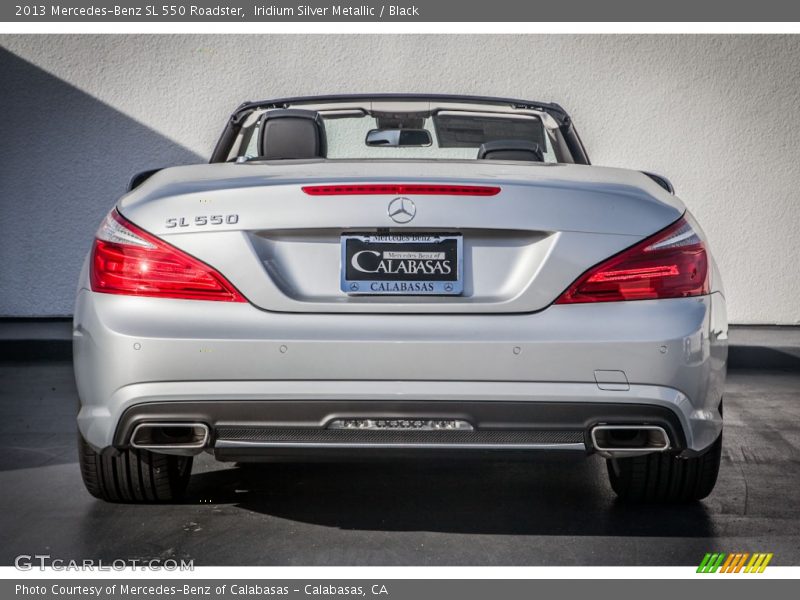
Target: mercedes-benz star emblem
column 402, row 210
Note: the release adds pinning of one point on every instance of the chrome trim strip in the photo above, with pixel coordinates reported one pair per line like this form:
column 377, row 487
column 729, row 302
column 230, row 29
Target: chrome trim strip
column 384, row 424
column 222, row 444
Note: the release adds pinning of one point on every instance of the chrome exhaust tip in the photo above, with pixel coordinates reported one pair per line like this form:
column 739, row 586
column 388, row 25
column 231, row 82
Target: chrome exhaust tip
column 171, row 438
column 622, row 439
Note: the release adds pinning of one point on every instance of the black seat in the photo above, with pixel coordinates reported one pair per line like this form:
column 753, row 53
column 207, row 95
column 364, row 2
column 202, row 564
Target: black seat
column 511, row 150
column 286, row 133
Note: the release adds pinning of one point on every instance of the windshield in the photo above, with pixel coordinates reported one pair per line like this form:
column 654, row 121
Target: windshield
column 451, row 134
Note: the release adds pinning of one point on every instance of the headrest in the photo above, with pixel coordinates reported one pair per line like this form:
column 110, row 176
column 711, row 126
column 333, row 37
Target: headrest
column 511, row 150
column 291, row 133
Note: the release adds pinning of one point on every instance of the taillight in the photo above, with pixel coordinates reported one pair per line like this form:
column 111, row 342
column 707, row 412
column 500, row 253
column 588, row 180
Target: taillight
column 670, row 264
column 127, row 260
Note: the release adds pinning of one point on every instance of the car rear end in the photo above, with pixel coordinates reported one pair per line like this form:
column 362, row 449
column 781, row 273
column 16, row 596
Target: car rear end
column 260, row 311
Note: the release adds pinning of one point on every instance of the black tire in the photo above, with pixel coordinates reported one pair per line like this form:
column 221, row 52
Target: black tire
column 664, row 477
column 135, row 476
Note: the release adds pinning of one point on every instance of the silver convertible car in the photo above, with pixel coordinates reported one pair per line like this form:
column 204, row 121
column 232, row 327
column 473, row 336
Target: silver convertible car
column 399, row 275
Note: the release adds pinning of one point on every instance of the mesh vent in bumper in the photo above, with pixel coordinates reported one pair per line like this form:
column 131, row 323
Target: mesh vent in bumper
column 487, row 437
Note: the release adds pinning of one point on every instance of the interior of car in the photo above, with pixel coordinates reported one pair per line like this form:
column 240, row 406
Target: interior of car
column 399, row 130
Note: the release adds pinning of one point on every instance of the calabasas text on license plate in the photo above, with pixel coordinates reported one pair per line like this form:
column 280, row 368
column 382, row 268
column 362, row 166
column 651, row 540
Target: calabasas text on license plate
column 410, row 264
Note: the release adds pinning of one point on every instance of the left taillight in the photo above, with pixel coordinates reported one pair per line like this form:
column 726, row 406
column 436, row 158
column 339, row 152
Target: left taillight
column 670, row 264
column 127, row 260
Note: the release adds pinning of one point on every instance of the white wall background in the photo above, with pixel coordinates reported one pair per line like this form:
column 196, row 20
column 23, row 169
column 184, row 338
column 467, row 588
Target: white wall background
column 719, row 115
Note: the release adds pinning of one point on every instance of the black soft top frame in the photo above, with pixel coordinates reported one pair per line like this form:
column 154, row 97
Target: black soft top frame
column 560, row 115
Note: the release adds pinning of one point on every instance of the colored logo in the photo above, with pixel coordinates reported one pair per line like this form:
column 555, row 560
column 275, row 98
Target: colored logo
column 739, row 562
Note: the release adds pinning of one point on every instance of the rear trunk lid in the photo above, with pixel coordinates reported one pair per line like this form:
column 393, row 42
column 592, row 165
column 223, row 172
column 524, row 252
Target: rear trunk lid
column 282, row 247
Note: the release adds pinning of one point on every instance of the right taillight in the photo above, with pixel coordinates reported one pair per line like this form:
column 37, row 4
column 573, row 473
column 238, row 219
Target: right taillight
column 670, row 264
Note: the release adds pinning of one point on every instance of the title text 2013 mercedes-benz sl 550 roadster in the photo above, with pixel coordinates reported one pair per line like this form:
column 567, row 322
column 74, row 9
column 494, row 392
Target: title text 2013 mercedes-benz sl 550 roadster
column 374, row 275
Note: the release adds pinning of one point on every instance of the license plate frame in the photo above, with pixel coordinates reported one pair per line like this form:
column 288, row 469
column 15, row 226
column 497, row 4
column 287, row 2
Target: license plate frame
column 408, row 247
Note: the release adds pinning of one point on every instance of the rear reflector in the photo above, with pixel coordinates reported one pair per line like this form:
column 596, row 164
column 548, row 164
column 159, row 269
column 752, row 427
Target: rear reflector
column 669, row 264
column 128, row 260
column 398, row 189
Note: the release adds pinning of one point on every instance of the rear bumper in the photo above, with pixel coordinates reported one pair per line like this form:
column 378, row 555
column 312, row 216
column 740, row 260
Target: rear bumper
column 246, row 427
column 562, row 369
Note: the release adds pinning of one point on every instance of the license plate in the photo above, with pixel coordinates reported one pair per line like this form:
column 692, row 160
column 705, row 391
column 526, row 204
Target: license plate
column 409, row 264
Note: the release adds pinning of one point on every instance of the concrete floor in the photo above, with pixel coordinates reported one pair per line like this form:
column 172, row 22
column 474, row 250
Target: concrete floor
column 549, row 511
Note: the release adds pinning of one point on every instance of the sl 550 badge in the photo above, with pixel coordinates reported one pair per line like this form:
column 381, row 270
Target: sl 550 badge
column 202, row 221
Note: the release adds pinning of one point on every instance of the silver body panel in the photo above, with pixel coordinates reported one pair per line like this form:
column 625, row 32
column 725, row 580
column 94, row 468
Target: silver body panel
column 522, row 247
column 301, row 339
column 671, row 351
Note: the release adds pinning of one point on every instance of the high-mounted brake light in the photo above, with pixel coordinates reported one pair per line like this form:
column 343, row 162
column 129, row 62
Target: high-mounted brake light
column 128, row 260
column 400, row 189
column 670, row 264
